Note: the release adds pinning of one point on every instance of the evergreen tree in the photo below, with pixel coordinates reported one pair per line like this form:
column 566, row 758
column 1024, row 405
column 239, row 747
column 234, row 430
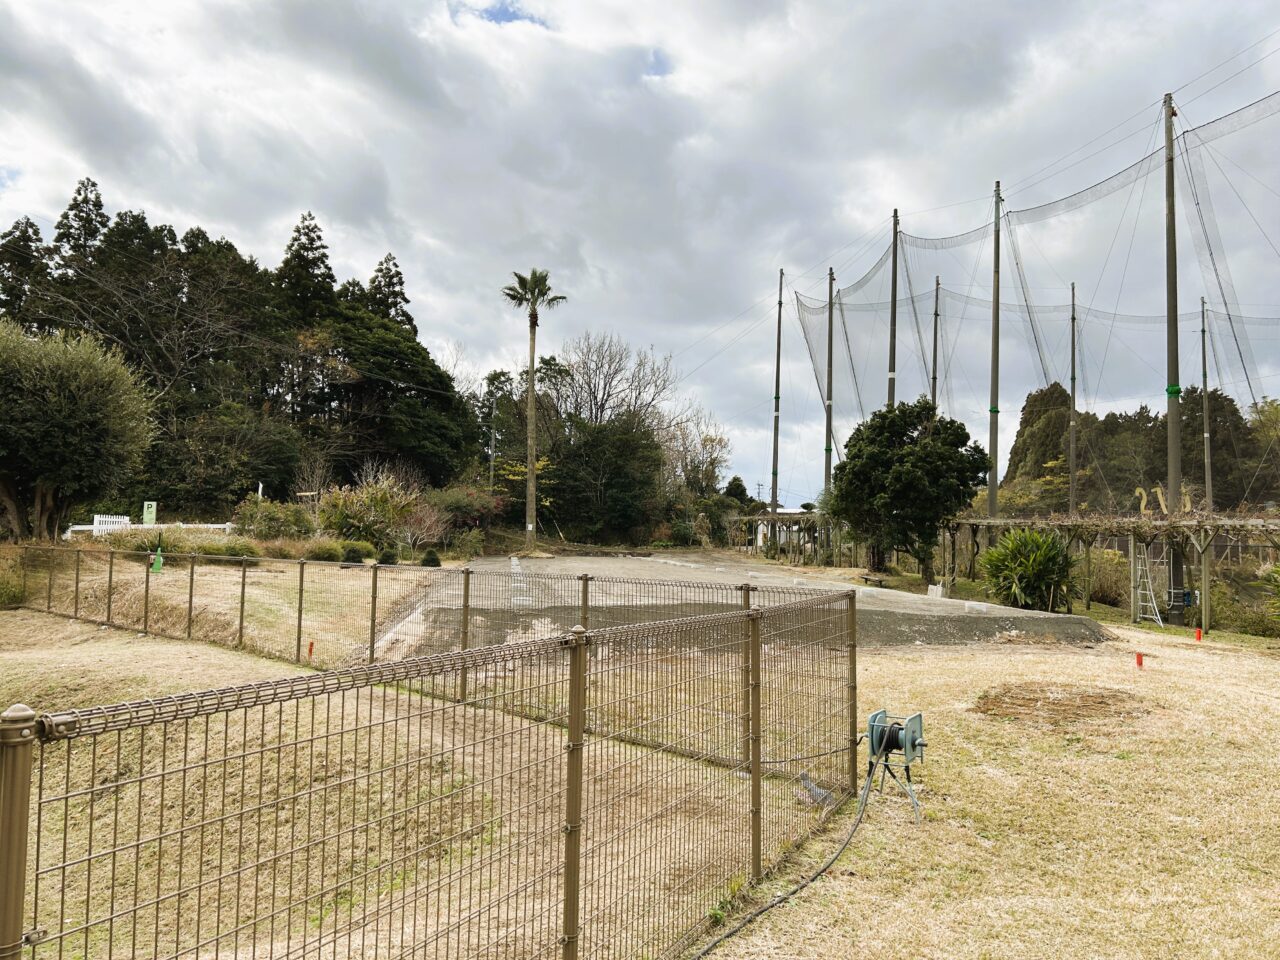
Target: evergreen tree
column 1042, row 431
column 81, row 225
column 304, row 278
column 23, row 268
column 386, row 296
column 736, row 489
column 389, row 400
column 906, row 472
column 353, row 293
column 1232, row 448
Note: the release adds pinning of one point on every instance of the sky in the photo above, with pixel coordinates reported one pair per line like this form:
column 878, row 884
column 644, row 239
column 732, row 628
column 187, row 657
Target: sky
column 661, row 160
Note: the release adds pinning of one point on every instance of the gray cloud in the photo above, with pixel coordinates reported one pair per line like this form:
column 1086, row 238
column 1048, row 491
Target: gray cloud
column 661, row 160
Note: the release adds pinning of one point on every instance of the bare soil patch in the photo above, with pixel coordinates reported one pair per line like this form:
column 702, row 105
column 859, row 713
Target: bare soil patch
column 1058, row 704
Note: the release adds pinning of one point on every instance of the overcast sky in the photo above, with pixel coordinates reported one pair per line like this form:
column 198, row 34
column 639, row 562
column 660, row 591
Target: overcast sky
column 662, row 160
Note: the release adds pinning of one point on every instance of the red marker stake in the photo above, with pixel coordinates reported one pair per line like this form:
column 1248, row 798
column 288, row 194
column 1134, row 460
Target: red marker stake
column 1139, row 658
column 311, row 648
column 1197, row 634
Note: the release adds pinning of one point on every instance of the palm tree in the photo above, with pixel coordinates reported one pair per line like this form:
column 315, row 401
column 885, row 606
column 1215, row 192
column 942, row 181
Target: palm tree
column 531, row 293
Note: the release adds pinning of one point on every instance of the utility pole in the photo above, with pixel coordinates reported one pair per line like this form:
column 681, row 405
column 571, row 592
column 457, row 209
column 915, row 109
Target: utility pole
column 1071, row 429
column 1204, row 407
column 893, row 315
column 933, row 366
column 777, row 397
column 831, row 326
column 992, row 507
column 1173, row 391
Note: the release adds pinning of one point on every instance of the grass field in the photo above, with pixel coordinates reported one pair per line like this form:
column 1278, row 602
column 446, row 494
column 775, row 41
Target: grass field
column 1075, row 807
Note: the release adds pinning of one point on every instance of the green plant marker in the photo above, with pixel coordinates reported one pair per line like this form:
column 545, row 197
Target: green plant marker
column 157, row 565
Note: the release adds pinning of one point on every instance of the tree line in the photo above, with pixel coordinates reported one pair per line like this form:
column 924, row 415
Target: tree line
column 246, row 374
column 1121, row 457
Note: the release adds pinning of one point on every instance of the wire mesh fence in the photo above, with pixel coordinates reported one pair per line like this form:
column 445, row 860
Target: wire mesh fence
column 591, row 793
column 338, row 614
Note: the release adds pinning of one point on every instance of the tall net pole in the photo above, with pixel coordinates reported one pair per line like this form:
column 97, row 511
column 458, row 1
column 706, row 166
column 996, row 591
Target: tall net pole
column 933, row 364
column 777, row 398
column 1206, row 548
column 993, row 508
column 1173, row 415
column 1071, row 428
column 831, row 327
column 893, row 315
column 1204, row 408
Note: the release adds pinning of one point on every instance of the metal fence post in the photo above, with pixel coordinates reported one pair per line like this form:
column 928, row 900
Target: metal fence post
column 48, row 590
column 302, row 576
column 577, row 723
column 75, row 603
column 191, row 591
column 584, row 605
column 757, row 811
column 746, row 676
column 26, row 562
column 146, row 596
column 373, row 616
column 111, row 576
column 464, row 639
column 17, row 744
column 244, row 569
column 851, row 638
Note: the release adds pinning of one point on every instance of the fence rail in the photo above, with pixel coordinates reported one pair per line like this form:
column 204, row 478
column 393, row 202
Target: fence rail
column 587, row 793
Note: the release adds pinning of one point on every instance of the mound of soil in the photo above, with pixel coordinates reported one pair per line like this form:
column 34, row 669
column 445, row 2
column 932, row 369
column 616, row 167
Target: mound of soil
column 1058, row 704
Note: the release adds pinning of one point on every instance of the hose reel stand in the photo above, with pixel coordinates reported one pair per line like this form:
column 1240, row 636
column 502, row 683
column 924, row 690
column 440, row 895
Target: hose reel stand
column 896, row 743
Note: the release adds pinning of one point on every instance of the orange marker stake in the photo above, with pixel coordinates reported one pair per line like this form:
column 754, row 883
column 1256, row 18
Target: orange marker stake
column 1197, row 634
column 1139, row 659
column 311, row 648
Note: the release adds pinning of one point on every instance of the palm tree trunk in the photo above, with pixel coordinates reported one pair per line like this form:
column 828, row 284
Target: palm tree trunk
column 531, row 481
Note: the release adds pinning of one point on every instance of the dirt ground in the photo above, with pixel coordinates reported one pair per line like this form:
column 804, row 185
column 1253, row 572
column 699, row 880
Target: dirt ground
column 1075, row 807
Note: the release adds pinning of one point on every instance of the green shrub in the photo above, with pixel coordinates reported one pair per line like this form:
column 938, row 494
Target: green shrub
column 1232, row 612
column 467, row 544
column 269, row 520
column 375, row 510
column 465, row 506
column 682, row 534
column 430, row 558
column 363, row 549
column 10, row 586
column 1029, row 569
column 388, row 558
column 352, row 554
column 323, row 551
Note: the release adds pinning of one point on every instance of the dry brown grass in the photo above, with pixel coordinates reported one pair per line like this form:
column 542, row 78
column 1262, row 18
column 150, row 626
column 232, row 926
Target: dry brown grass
column 1094, row 811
